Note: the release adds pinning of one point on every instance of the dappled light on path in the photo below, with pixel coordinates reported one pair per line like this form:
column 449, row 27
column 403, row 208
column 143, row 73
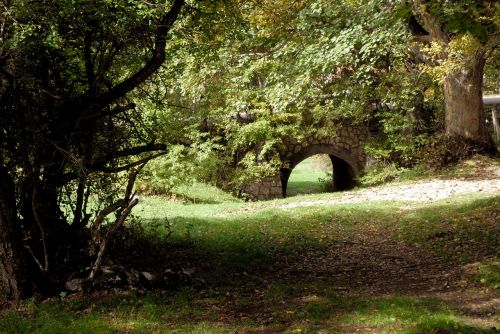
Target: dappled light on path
column 424, row 191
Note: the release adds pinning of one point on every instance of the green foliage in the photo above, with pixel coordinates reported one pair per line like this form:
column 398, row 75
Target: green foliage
column 275, row 70
column 181, row 166
column 379, row 173
column 279, row 70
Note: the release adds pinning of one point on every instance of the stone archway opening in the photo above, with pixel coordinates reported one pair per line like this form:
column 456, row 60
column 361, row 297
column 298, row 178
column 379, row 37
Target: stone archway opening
column 311, row 176
column 342, row 169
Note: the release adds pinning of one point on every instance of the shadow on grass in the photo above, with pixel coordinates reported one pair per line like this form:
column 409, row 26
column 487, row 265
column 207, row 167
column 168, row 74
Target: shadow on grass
column 221, row 247
column 462, row 231
column 235, row 254
column 296, row 309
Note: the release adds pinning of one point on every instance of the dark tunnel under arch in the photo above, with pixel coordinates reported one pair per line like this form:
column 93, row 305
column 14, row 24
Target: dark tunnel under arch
column 345, row 169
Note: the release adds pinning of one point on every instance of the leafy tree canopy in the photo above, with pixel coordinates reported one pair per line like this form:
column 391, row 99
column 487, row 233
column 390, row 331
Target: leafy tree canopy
column 72, row 136
column 287, row 69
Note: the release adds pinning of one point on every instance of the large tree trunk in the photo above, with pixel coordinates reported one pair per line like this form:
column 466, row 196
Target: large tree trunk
column 50, row 240
column 14, row 283
column 465, row 118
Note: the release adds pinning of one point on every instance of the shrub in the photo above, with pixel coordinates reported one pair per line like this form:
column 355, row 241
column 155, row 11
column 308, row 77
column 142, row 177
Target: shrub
column 380, row 172
column 443, row 150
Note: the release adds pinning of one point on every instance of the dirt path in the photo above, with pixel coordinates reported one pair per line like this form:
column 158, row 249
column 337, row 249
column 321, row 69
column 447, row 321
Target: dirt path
column 372, row 264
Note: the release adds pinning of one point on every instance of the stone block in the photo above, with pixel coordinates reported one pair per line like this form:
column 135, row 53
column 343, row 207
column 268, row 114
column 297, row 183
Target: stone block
column 252, row 188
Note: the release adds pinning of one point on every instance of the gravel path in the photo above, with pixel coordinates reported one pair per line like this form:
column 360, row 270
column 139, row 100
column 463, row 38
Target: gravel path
column 483, row 180
column 423, row 191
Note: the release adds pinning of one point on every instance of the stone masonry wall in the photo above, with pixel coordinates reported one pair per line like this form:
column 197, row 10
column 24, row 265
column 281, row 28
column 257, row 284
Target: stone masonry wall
column 345, row 144
column 267, row 188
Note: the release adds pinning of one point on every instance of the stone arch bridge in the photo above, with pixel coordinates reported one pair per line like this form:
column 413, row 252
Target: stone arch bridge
column 345, row 151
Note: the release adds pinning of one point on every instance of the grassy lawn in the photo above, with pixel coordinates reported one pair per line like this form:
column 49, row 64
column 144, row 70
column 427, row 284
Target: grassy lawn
column 309, row 177
column 187, row 312
column 372, row 267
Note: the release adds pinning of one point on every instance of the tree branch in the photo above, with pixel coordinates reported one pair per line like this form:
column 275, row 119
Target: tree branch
column 99, row 165
column 102, row 247
column 101, row 162
column 104, row 213
column 156, row 60
column 492, row 46
column 430, row 22
column 113, row 112
column 130, row 165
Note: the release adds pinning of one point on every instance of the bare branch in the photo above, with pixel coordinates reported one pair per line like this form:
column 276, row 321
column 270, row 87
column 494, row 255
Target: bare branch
column 96, row 224
column 112, row 230
column 39, row 222
column 39, row 264
column 130, row 165
column 119, row 203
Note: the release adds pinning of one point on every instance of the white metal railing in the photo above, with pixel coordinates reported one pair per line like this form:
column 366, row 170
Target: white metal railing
column 493, row 101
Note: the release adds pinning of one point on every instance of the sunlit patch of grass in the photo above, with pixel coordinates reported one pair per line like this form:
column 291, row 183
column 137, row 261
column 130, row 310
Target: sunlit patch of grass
column 203, row 193
column 395, row 312
column 308, row 178
column 177, row 312
column 321, row 307
column 158, row 207
column 488, row 273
